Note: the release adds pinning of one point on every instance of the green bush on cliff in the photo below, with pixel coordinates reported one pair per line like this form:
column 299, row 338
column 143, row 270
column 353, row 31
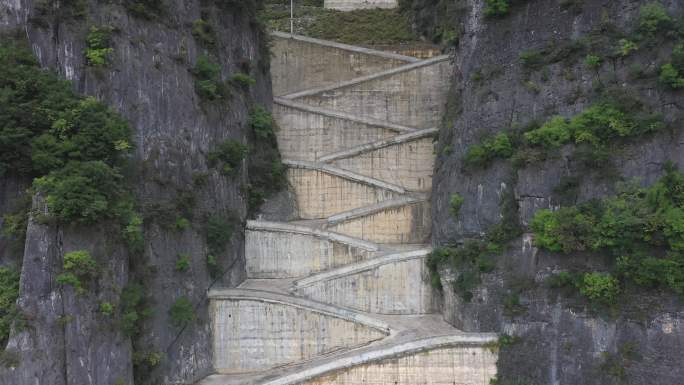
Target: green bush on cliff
column 498, row 146
column 496, row 8
column 653, row 19
column 9, row 292
column 228, row 156
column 600, row 287
column 455, row 203
column 204, row 33
column 98, row 48
column 641, row 228
column 79, row 268
column 134, row 309
column 208, row 83
column 73, row 146
column 181, row 312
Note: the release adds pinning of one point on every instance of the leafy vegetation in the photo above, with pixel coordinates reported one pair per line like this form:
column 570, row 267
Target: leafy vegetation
column 455, row 203
column 183, row 263
column 642, row 229
column 360, row 27
column 145, row 9
column 476, row 256
column 181, row 312
column 208, row 83
column 496, row 8
column 219, row 230
column 266, row 171
column 243, row 80
column 106, row 308
column 9, row 292
column 228, row 156
column 79, row 269
column 98, row 46
column 204, row 33
column 134, row 309
column 594, row 129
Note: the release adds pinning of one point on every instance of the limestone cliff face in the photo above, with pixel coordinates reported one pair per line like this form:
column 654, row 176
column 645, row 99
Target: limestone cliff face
column 562, row 342
column 66, row 340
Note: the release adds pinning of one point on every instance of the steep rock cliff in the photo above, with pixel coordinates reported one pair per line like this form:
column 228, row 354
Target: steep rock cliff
column 149, row 78
column 514, row 70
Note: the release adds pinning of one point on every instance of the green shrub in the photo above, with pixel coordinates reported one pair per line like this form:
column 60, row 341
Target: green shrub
column 600, row 287
column 204, row 33
column 228, row 156
column 106, row 308
column 496, row 8
column 9, row 292
column 653, row 18
column 261, row 122
column 132, row 230
column 553, row 134
column 626, row 47
column 134, row 309
column 181, row 312
column 98, row 48
column 455, row 203
column 593, row 61
column 81, row 192
column 219, row 230
column 183, row 263
column 208, row 83
column 79, row 268
column 497, row 147
column 671, row 77
column 532, row 59
column 642, row 228
column 145, row 9
column 182, row 224
column 243, row 80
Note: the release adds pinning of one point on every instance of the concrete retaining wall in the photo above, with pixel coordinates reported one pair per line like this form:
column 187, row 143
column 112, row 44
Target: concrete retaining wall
column 350, row 5
column 408, row 223
column 452, row 365
column 321, row 194
column 301, row 63
column 413, row 95
column 254, row 334
column 404, row 163
column 274, row 250
column 307, row 135
column 396, row 284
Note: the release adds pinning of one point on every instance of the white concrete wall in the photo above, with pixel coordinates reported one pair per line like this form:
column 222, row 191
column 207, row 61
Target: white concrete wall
column 305, row 135
column 320, row 194
column 397, row 287
column 350, row 5
column 276, row 254
column 413, row 97
column 443, row 366
column 405, row 224
column 253, row 335
column 301, row 63
column 407, row 164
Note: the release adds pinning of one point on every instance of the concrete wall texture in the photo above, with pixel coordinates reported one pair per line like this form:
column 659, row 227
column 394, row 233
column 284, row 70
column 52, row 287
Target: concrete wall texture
column 350, row 5
column 342, row 293
column 251, row 335
column 288, row 253
column 301, row 63
column 458, row 365
column 411, row 95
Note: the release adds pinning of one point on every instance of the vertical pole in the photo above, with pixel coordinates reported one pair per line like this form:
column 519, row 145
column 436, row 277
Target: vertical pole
column 292, row 17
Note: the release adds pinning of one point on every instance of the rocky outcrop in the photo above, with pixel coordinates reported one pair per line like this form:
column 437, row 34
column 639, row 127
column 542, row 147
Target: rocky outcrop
column 562, row 341
column 149, row 80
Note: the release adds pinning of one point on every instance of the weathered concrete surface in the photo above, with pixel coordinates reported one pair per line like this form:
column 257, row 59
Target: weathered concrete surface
column 397, row 221
column 394, row 284
column 255, row 333
column 278, row 250
column 413, row 95
column 459, row 365
column 301, row 63
column 307, row 133
column 350, row 5
column 405, row 160
column 322, row 193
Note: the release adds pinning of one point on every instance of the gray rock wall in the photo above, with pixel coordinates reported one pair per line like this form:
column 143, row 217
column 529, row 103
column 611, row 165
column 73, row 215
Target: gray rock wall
column 149, row 81
column 563, row 341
